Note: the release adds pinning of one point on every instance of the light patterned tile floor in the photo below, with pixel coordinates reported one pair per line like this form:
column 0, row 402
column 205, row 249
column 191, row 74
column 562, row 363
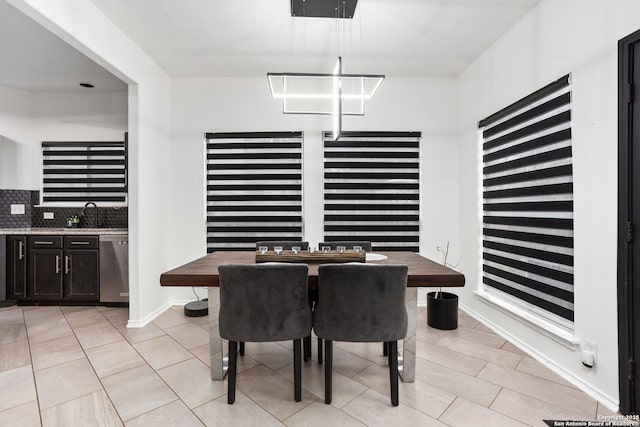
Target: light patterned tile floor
column 72, row 366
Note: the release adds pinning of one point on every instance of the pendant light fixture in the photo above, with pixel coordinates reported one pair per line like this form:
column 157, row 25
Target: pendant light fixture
column 335, row 93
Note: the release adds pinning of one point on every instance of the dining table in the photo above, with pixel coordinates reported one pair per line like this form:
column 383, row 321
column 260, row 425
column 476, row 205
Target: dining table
column 422, row 272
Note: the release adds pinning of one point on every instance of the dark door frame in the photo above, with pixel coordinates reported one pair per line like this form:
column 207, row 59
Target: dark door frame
column 628, row 320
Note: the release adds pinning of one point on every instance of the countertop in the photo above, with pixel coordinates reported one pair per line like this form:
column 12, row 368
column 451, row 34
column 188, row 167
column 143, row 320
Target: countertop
column 62, row 230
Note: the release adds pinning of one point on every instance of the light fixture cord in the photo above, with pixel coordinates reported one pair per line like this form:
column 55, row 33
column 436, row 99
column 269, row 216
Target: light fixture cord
column 351, row 36
column 304, row 36
column 337, row 30
column 360, row 19
column 344, row 34
column 291, row 44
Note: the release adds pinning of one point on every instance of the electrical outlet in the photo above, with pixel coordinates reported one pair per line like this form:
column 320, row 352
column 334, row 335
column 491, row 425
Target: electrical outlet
column 47, row 215
column 17, row 209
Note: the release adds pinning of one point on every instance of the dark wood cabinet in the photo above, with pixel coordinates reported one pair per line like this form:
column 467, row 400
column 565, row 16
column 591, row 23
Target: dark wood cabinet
column 45, row 267
column 52, row 267
column 16, row 267
column 81, row 268
column 82, row 276
column 45, row 274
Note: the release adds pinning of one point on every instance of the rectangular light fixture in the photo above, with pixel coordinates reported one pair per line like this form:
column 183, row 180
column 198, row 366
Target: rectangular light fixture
column 309, row 93
column 335, row 94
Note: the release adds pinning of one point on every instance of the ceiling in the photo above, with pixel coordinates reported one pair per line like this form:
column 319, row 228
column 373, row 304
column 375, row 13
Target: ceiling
column 32, row 58
column 192, row 38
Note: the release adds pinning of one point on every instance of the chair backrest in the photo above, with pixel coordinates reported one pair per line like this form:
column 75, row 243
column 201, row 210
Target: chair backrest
column 366, row 246
column 361, row 302
column 286, row 244
column 264, row 302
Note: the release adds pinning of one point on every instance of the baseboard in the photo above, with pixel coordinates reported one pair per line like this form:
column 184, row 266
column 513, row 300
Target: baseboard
column 157, row 312
column 610, row 403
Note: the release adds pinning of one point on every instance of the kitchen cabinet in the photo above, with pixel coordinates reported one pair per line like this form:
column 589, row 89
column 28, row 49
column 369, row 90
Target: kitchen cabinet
column 16, row 267
column 63, row 267
column 44, row 276
column 81, row 268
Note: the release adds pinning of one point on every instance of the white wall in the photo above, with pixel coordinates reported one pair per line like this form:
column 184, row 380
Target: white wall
column 151, row 236
column 15, row 138
column 28, row 118
column 559, row 37
column 244, row 104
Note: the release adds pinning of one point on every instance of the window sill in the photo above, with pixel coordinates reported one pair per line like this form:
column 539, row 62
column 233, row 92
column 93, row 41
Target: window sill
column 552, row 330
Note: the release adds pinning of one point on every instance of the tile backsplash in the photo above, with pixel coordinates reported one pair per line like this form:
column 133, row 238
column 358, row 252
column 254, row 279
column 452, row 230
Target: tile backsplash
column 108, row 217
column 15, row 197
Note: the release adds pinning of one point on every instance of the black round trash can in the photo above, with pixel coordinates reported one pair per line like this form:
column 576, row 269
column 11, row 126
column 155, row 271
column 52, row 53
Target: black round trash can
column 442, row 312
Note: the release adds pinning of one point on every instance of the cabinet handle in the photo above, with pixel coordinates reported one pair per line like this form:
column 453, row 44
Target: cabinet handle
column 37, row 242
column 67, row 262
column 57, row 264
column 20, row 250
column 80, row 243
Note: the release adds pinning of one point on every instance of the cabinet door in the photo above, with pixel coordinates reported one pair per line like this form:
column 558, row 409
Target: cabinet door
column 45, row 273
column 82, row 276
column 16, row 267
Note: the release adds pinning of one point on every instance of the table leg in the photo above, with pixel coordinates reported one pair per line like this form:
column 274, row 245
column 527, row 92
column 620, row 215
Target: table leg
column 219, row 360
column 407, row 359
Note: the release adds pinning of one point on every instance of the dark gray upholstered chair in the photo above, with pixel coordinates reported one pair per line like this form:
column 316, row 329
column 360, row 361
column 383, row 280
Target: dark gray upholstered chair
column 286, row 244
column 361, row 303
column 264, row 303
column 366, row 246
column 348, row 244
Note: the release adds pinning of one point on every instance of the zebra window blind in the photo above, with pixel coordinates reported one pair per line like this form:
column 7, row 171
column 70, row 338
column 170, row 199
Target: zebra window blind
column 527, row 196
column 254, row 189
column 79, row 172
column 372, row 189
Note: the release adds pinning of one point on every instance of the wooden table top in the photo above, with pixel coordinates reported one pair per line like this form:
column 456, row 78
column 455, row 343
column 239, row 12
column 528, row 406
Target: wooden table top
column 204, row 271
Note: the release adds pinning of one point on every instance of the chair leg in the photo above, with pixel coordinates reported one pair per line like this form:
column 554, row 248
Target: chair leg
column 319, row 351
column 385, row 349
column 241, row 350
column 297, row 369
column 231, row 379
column 307, row 348
column 328, row 366
column 393, row 371
column 313, row 301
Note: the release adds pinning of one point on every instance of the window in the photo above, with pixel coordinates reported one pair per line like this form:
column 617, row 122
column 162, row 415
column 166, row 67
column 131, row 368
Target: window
column 254, row 188
column 527, row 196
column 74, row 173
column 372, row 189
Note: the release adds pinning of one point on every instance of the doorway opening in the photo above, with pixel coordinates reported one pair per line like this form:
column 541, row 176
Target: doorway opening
column 628, row 215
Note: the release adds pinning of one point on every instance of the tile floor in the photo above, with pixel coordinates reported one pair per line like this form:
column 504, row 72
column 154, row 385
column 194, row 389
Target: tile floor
column 80, row 366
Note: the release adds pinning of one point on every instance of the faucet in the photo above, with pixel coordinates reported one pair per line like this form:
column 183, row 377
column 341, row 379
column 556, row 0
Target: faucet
column 95, row 222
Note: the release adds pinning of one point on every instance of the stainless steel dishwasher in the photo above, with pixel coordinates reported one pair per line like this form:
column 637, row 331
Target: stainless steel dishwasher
column 114, row 268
